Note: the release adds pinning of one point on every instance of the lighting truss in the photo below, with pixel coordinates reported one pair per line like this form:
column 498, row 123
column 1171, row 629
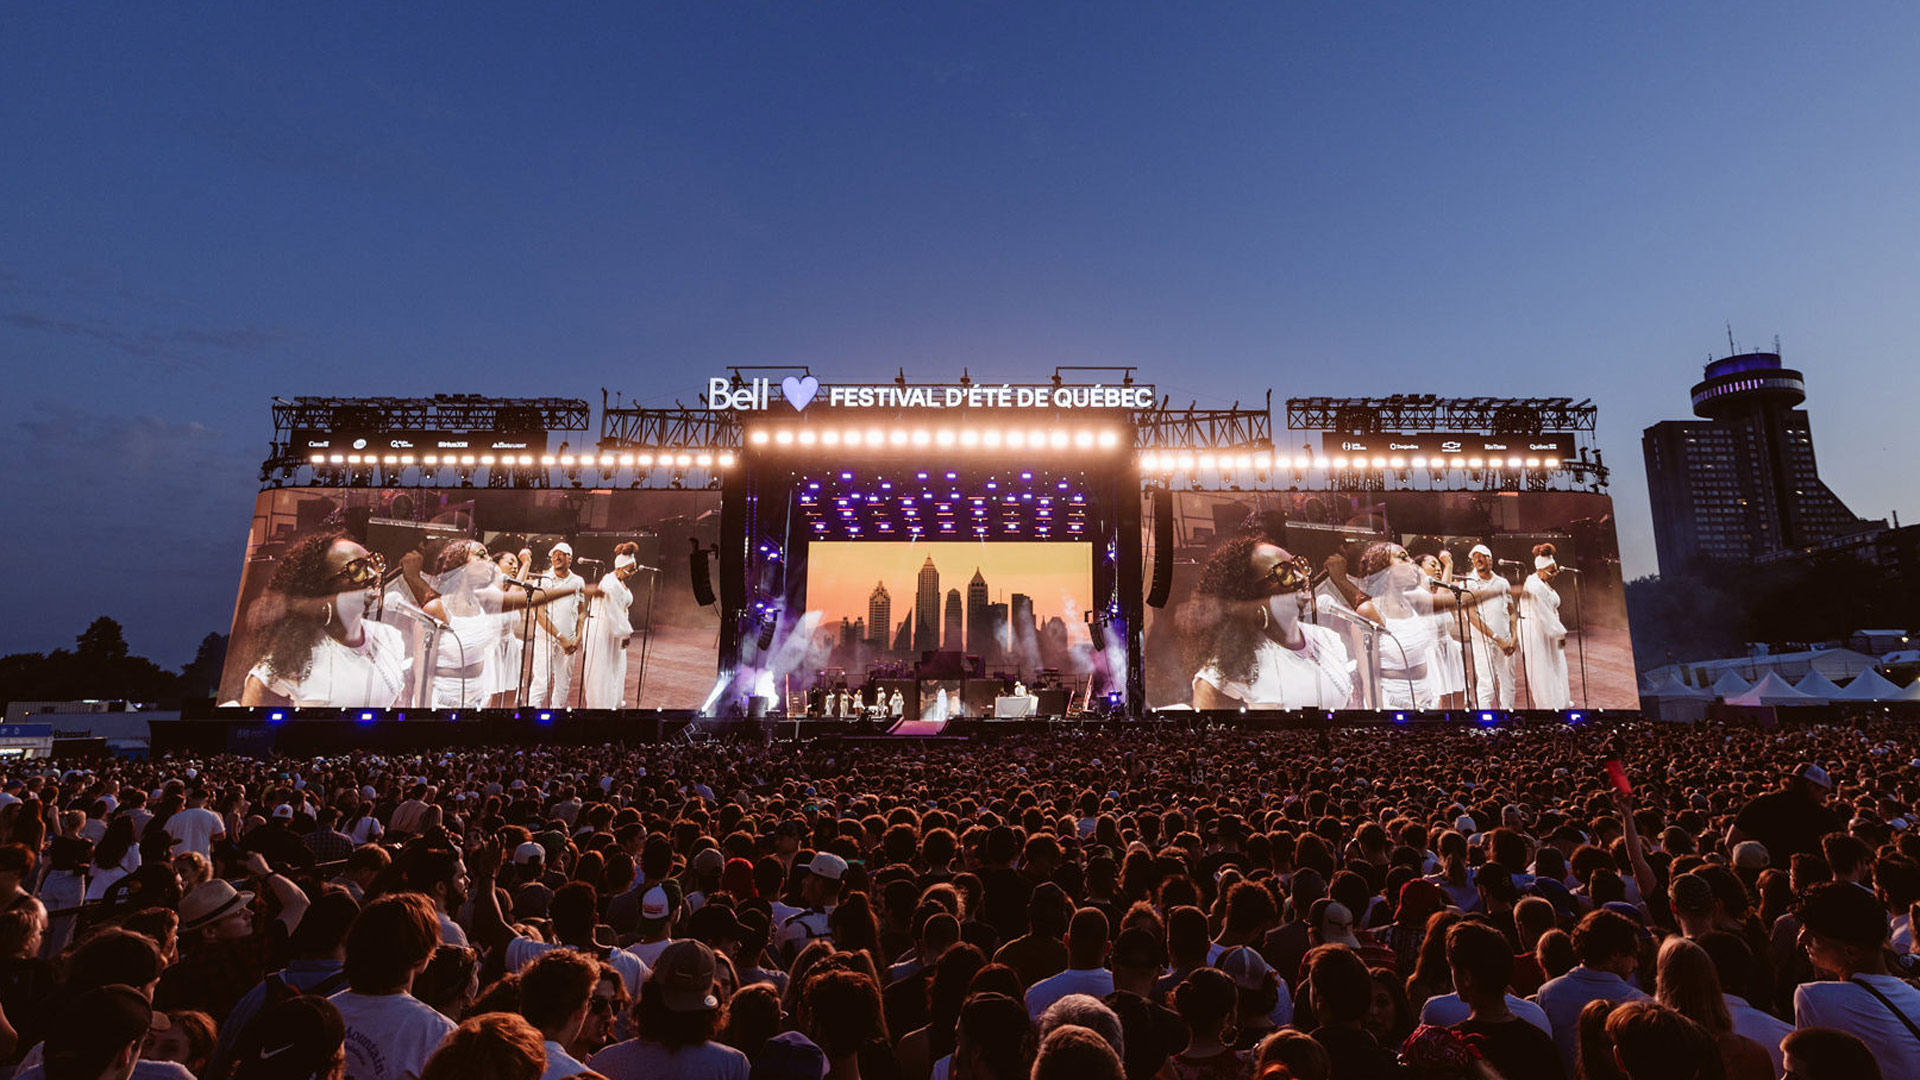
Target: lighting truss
column 1426, row 412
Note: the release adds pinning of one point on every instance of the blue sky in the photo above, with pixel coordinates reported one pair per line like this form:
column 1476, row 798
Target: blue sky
column 203, row 207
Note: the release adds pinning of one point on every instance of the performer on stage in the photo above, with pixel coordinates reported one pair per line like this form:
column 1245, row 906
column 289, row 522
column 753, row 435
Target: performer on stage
column 319, row 649
column 610, row 631
column 1449, row 671
column 1405, row 605
column 558, row 636
column 1543, row 637
column 1492, row 636
column 897, row 704
column 475, row 612
column 1245, row 639
column 514, row 626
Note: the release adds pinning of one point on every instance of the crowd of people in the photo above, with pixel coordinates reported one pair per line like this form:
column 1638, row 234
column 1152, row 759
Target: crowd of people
column 1634, row 903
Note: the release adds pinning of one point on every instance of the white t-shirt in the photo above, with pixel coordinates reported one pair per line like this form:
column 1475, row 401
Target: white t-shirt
column 372, row 674
column 450, row 931
column 1318, row 675
column 1447, row 1010
column 563, row 611
column 365, row 830
column 1763, row 1028
column 647, row 952
column 389, row 1036
column 1852, row 1008
column 193, row 829
column 1494, row 612
column 522, row 951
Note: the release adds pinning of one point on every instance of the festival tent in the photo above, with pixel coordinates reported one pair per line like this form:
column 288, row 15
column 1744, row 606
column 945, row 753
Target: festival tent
column 1772, row 690
column 1673, row 701
column 1911, row 693
column 1730, row 685
column 1817, row 685
column 1869, row 685
column 1672, row 687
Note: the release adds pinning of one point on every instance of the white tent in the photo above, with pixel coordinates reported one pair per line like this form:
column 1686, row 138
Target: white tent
column 1672, row 687
column 1817, row 685
column 1772, row 690
column 1730, row 685
column 1869, row 685
column 1911, row 693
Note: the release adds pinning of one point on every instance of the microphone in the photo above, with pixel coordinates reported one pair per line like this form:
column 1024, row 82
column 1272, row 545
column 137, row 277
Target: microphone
column 1512, row 562
column 1435, row 583
column 1566, row 569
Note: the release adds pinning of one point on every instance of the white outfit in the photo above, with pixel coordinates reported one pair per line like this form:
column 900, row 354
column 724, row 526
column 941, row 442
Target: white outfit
column 1446, row 671
column 1447, row 1010
column 105, row 876
column 1763, row 1028
column 1543, row 645
column 370, row 675
column 1852, row 1008
column 606, row 645
column 508, row 665
column 522, row 951
column 1492, row 666
column 1407, row 661
column 1317, row 676
column 193, row 829
column 389, row 1036
column 463, row 676
column 896, row 705
column 552, row 665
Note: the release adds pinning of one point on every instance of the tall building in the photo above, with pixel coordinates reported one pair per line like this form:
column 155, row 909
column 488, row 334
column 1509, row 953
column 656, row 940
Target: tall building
column 1021, row 627
column 926, row 609
column 952, row 633
column 879, row 616
column 979, row 624
column 1740, row 482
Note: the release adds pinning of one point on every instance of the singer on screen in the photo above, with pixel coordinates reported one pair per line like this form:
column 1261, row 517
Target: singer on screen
column 1245, row 639
column 1492, row 633
column 319, row 648
column 605, row 679
column 1543, row 637
column 1448, row 673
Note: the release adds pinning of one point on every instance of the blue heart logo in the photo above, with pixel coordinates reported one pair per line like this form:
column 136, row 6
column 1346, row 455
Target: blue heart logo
column 799, row 392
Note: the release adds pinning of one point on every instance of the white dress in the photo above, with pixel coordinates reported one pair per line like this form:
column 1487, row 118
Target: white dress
column 464, row 675
column 1317, row 676
column 372, row 675
column 1543, row 645
column 611, row 626
column 1447, row 671
column 1407, row 660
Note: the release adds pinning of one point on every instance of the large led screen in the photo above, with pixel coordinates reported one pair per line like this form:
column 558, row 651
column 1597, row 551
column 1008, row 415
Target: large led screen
column 977, row 613
column 463, row 598
column 1391, row 600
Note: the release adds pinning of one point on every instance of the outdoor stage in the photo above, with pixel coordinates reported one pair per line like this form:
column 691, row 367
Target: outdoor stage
column 939, row 559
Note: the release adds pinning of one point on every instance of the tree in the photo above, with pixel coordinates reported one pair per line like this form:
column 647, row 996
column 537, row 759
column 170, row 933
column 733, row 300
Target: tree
column 201, row 677
column 103, row 639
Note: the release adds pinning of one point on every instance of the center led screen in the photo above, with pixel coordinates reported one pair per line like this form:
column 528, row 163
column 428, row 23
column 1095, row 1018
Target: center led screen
column 1018, row 605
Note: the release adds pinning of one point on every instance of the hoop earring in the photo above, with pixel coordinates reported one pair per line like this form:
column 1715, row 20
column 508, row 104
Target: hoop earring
column 1265, row 619
column 329, row 619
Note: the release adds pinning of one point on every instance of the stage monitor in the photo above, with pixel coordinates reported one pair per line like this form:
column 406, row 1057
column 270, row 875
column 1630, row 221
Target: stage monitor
column 456, row 598
column 1017, row 607
column 1384, row 608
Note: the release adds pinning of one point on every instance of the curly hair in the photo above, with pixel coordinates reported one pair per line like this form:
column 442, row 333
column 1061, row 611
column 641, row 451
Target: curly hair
column 1208, row 633
column 1377, row 557
column 456, row 554
column 1543, row 549
column 286, row 644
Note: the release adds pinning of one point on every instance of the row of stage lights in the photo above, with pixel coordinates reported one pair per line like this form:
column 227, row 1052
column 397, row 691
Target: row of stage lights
column 701, row 459
column 965, row 438
column 1188, row 460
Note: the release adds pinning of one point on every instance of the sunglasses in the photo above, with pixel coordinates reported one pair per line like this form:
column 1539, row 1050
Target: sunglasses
column 1287, row 576
column 363, row 571
column 601, row 1006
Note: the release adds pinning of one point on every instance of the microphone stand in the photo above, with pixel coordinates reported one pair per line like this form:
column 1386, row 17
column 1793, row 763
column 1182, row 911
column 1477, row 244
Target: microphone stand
column 646, row 635
column 1580, row 615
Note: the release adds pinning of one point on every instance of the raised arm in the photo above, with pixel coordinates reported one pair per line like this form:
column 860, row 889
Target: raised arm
column 489, row 925
column 293, row 900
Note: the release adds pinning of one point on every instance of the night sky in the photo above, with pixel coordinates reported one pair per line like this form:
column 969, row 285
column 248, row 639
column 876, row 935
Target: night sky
column 201, row 208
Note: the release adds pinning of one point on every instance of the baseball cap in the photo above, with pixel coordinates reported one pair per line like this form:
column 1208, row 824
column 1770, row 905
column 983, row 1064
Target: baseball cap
column 657, row 904
column 1480, row 549
column 684, row 975
column 284, row 811
column 1751, row 855
column 789, row 1056
column 561, row 546
column 1244, row 966
column 827, row 865
column 83, row 1038
column 299, row 1035
column 1813, row 774
column 714, row 923
column 709, row 861
column 1847, row 912
column 529, row 853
